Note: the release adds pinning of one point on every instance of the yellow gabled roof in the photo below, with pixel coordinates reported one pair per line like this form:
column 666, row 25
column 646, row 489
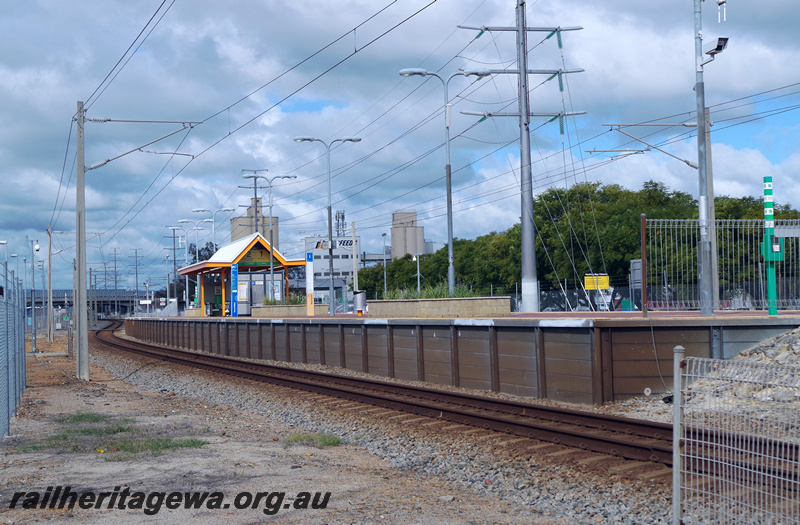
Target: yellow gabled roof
column 233, row 252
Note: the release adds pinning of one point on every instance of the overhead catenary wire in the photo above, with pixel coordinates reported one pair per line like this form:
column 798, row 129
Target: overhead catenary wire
column 369, row 185
column 276, row 104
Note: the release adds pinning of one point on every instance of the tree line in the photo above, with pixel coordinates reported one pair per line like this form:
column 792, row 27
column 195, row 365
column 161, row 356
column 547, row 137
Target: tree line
column 587, row 228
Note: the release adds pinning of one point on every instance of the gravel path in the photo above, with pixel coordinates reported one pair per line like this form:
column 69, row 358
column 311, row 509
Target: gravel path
column 537, row 490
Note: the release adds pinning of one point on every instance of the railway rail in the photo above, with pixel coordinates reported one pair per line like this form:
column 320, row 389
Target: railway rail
column 613, row 435
column 628, row 438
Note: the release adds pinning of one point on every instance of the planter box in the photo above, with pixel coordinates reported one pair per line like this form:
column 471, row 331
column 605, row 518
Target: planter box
column 287, row 310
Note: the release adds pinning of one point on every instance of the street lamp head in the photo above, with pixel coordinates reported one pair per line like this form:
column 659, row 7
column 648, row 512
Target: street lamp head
column 200, row 210
column 413, row 71
column 288, row 177
column 184, row 221
column 351, row 139
column 304, row 139
column 476, row 73
column 226, row 209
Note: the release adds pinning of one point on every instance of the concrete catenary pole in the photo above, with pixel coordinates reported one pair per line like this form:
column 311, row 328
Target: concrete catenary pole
column 81, row 314
column 530, row 283
column 705, row 282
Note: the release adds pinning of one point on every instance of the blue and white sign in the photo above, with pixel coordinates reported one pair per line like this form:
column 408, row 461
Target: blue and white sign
column 234, row 290
column 310, row 284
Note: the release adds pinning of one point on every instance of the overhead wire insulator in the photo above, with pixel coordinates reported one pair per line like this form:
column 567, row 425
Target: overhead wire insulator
column 560, row 82
column 560, row 44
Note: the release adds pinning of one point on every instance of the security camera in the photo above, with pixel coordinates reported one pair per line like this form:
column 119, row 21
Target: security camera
column 36, row 247
column 716, row 47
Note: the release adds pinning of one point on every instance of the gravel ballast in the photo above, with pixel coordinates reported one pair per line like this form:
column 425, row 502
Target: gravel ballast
column 552, row 492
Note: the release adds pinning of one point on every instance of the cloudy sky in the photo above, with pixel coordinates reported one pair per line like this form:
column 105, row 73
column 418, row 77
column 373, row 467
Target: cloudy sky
column 251, row 75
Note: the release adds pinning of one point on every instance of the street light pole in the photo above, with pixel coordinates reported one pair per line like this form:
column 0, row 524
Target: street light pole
column 174, row 272
column 255, row 177
column 196, row 235
column 34, row 247
column 213, row 222
column 269, row 186
column 416, row 258
column 196, row 229
column 186, row 262
column 166, row 267
column 332, row 301
column 50, row 283
column 271, row 249
column 384, row 264
column 480, row 73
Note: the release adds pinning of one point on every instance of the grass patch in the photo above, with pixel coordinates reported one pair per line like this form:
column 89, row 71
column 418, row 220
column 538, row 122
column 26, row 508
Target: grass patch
column 152, row 446
column 84, row 417
column 115, row 437
column 105, row 431
column 319, row 440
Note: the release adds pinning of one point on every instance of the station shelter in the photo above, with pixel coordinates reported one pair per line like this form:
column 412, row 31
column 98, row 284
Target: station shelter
column 243, row 267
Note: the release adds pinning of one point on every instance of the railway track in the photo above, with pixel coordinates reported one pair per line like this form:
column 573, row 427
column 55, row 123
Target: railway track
column 726, row 475
column 616, row 436
column 627, row 438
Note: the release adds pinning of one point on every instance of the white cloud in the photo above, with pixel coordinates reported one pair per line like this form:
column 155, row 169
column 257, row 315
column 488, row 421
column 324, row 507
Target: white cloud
column 205, row 56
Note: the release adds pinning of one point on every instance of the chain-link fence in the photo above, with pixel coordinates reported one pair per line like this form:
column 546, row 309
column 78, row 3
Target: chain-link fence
column 737, row 439
column 12, row 347
column 671, row 252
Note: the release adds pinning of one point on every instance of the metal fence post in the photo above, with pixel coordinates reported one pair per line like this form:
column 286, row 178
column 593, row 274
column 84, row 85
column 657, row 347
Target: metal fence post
column 5, row 348
column 679, row 353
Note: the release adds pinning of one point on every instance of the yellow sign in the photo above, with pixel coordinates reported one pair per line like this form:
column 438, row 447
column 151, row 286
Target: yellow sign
column 255, row 257
column 596, row 281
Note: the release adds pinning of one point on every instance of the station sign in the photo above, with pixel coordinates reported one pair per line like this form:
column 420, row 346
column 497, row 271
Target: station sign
column 234, row 290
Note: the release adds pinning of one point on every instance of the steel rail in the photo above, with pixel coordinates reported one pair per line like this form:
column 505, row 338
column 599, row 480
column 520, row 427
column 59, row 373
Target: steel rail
column 619, row 436
column 627, row 438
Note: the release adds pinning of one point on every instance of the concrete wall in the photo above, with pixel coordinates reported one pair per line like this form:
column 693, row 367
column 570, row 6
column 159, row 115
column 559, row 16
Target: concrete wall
column 441, row 308
column 582, row 361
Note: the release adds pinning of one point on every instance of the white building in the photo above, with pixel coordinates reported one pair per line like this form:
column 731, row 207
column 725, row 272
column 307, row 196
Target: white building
column 344, row 257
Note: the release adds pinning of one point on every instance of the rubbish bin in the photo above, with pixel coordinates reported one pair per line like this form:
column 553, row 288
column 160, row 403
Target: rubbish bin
column 360, row 302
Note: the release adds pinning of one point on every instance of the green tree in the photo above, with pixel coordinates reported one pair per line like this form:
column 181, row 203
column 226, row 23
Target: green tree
column 588, row 228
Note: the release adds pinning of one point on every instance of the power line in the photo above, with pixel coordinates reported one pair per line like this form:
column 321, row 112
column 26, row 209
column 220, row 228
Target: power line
column 89, row 102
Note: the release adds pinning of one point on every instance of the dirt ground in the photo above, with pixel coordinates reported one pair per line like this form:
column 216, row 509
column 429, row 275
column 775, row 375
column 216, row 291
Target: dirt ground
column 244, row 454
